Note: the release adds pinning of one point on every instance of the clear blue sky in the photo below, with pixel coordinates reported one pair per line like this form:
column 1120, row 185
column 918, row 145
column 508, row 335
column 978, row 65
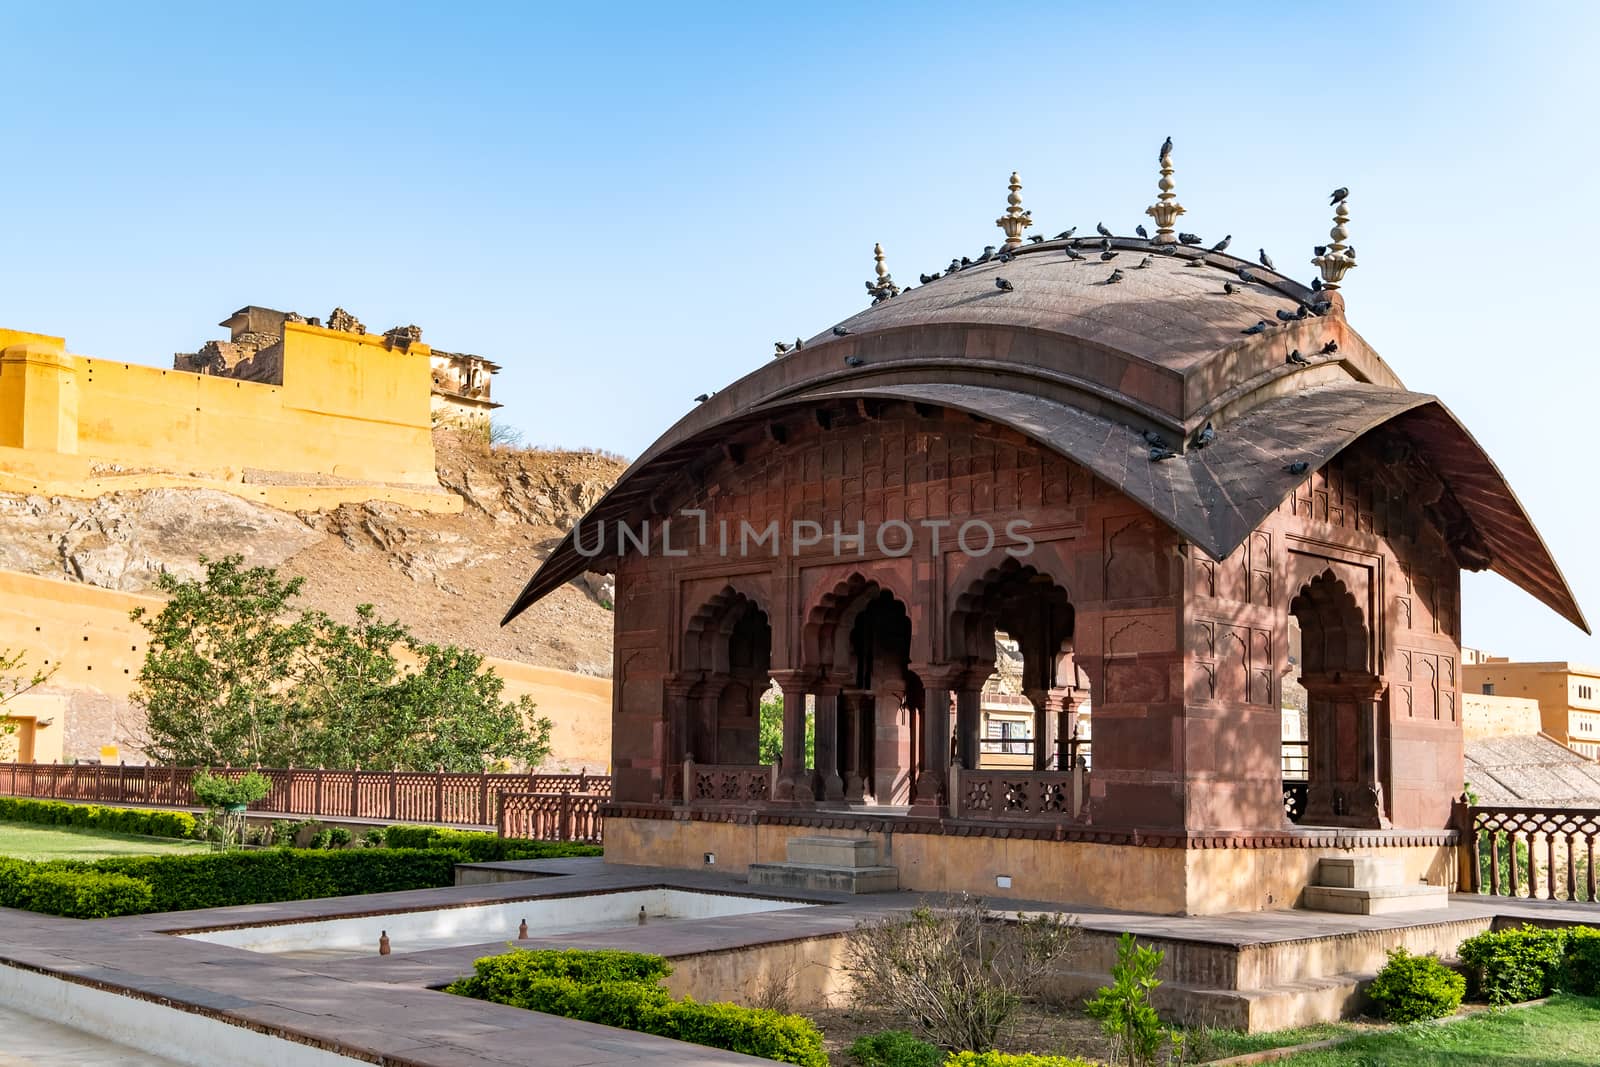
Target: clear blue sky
column 626, row 205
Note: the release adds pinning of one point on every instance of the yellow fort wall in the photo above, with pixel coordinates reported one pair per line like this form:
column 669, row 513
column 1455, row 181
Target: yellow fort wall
column 350, row 408
column 85, row 634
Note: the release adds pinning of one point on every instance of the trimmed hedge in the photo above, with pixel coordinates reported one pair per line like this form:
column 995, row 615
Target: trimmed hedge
column 1580, row 968
column 1411, row 988
column 894, row 1048
column 1509, row 966
column 74, row 893
column 620, row 989
column 216, row 879
column 224, row 879
column 93, row 816
column 482, row 847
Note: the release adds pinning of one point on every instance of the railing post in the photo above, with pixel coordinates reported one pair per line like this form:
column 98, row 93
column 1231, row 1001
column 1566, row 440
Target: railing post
column 316, row 791
column 355, row 792
column 438, row 794
column 483, row 798
column 1076, row 801
column 954, row 796
column 688, row 779
column 565, row 831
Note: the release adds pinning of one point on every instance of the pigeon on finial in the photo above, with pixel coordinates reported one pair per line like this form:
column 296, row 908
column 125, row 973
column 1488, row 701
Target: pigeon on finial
column 1339, row 194
column 1166, row 150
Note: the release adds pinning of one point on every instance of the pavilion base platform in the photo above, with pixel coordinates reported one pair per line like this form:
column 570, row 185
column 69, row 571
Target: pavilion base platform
column 1161, row 873
column 829, row 863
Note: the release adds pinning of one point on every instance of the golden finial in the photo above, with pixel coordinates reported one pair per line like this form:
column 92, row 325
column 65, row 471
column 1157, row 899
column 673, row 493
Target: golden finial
column 884, row 287
column 1166, row 209
column 1015, row 220
column 1337, row 258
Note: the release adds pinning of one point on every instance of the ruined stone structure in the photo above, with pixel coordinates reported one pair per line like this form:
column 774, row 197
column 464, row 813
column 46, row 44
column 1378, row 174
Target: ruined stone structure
column 254, row 353
column 1133, row 483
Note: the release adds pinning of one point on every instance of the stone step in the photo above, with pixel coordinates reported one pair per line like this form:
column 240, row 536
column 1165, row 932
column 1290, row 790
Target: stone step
column 824, row 851
column 825, row 877
column 1376, row 900
column 1359, row 872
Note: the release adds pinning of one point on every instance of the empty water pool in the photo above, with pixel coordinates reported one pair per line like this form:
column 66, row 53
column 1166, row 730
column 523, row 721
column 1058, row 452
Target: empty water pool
column 415, row 931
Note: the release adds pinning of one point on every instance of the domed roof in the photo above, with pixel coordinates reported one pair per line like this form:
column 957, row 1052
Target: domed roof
column 1089, row 367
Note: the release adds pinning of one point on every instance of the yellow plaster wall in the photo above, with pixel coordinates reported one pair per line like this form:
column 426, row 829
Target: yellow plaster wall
column 1161, row 880
column 350, row 407
column 86, row 635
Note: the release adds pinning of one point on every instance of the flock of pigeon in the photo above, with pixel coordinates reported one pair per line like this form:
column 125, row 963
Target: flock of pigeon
column 1160, row 449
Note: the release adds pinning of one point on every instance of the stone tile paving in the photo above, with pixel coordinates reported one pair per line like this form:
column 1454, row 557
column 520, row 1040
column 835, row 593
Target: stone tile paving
column 381, row 1006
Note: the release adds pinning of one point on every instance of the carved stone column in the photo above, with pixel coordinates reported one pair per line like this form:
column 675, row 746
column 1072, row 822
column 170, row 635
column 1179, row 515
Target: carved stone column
column 855, row 707
column 830, row 783
column 939, row 681
column 676, row 691
column 969, row 718
column 1054, row 722
column 1344, row 719
column 894, row 748
column 794, row 779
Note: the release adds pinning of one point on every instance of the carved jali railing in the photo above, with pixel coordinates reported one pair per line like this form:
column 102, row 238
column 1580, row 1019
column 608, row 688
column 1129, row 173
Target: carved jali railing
column 728, row 784
column 562, row 816
column 388, row 796
column 1019, row 796
column 1545, row 853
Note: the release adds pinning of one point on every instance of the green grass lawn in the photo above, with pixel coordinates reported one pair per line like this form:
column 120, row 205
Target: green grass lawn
column 29, row 841
column 1563, row 1033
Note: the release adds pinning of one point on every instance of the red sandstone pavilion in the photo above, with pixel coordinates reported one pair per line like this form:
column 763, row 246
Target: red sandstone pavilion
column 1027, row 422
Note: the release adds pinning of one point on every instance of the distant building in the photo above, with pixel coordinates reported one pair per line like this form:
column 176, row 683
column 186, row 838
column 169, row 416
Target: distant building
column 1568, row 695
column 461, row 386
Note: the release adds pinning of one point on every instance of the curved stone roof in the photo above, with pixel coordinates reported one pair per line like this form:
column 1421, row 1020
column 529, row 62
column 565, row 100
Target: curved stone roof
column 1085, row 367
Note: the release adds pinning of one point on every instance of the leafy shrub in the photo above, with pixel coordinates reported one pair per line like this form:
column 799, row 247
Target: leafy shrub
column 338, row 837
column 894, row 1048
column 95, row 817
column 322, row 839
column 1413, row 988
column 1580, row 968
column 85, row 894
column 1007, row 1059
column 1123, row 1007
column 373, row 838
column 482, row 847
column 620, row 989
column 1510, row 966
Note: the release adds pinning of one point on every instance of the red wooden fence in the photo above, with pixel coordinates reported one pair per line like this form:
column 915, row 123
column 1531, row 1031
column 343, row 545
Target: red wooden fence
column 390, row 796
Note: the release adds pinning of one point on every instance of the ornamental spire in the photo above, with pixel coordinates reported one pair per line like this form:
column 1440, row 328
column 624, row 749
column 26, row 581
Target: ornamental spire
column 1015, row 220
column 884, row 287
column 1166, row 209
column 1338, row 258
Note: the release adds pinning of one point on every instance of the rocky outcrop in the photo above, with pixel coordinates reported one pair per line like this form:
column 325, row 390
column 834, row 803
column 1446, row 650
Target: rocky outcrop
column 124, row 540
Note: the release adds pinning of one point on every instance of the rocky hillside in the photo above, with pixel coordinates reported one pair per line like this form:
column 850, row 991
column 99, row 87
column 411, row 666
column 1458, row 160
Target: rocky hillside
column 448, row 577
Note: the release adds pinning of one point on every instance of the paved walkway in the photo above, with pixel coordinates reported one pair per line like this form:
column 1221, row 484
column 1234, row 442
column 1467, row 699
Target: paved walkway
column 29, row 1041
column 385, row 1006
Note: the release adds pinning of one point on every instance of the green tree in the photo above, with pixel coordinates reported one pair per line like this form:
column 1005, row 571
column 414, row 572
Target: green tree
column 233, row 675
column 14, row 681
column 769, row 744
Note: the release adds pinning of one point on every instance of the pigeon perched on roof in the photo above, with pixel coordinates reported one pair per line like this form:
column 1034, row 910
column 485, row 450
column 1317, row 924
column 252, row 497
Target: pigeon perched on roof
column 781, row 347
column 926, row 278
column 854, row 361
column 1266, row 260
column 1245, row 275
column 1035, row 239
column 955, row 265
column 1108, row 256
column 1100, row 228
column 1259, row 327
column 1145, row 262
column 1154, row 439
column 1296, row 359
column 1189, row 238
column 988, row 254
column 1065, row 234
column 1230, row 288
column 1116, row 276
column 1289, row 316
column 1316, row 285
column 1072, row 253
column 1206, row 435
column 1003, row 285
column 1141, row 231
column 703, row 397
column 1298, row 467
column 797, row 345
column 1330, row 348
column 1004, row 257
column 1161, row 453
column 1222, row 245
column 840, row 331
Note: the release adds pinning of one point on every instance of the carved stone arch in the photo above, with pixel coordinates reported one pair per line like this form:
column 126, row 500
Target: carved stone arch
column 1135, row 563
column 708, row 644
column 1011, row 594
column 827, row 619
column 1334, row 635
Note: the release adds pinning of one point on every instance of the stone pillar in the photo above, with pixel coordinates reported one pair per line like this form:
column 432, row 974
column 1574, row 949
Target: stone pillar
column 707, row 710
column 855, row 732
column 894, row 748
column 675, row 734
column 939, row 682
column 794, row 780
column 1346, row 786
column 1054, row 721
column 830, row 784
column 969, row 719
